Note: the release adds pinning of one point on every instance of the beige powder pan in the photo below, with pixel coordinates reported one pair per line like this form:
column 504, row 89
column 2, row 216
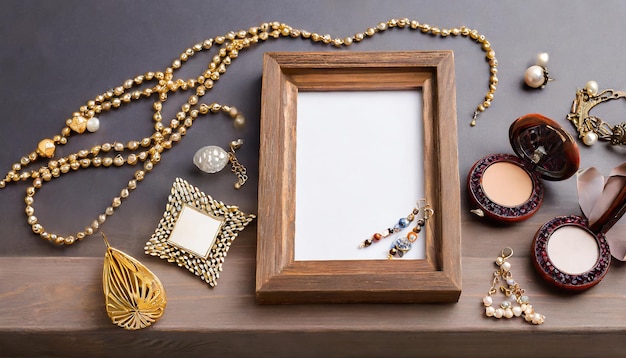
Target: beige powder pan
column 507, row 184
column 506, row 187
column 569, row 255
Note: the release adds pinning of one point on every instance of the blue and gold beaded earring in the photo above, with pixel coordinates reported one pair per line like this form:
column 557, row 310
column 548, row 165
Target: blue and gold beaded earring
column 403, row 244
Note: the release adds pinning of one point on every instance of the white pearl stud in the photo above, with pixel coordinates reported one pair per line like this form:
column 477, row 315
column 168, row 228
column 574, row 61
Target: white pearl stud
column 536, row 76
column 592, row 88
column 590, row 138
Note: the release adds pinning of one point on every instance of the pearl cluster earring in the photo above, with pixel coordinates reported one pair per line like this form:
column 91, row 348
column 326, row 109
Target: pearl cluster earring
column 517, row 303
column 536, row 76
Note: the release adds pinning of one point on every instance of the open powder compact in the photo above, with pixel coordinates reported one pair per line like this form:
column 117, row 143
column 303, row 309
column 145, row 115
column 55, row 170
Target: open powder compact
column 572, row 252
column 569, row 254
column 506, row 187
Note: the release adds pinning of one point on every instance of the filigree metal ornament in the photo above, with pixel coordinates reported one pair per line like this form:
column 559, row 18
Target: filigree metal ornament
column 134, row 296
column 591, row 128
column 196, row 231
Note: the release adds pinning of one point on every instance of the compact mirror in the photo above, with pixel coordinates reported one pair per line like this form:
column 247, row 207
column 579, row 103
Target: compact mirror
column 506, row 187
column 569, row 255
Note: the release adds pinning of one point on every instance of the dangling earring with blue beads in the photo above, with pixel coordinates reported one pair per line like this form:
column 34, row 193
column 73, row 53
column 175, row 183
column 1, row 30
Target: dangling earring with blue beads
column 420, row 214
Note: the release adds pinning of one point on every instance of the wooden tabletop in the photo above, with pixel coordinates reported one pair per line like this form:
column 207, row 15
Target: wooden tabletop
column 55, row 56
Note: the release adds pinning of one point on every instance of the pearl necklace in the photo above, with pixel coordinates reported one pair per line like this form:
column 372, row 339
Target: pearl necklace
column 159, row 84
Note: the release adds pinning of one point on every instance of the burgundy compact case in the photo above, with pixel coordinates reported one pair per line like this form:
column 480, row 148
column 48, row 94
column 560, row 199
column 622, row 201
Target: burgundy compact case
column 572, row 252
column 569, row 254
column 507, row 188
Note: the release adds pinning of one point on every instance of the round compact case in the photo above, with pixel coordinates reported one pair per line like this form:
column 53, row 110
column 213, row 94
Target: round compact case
column 569, row 254
column 507, row 188
column 574, row 252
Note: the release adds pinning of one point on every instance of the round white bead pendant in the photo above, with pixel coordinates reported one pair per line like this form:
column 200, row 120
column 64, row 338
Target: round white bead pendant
column 592, row 88
column 210, row 159
column 93, row 124
column 534, row 76
column 590, row 138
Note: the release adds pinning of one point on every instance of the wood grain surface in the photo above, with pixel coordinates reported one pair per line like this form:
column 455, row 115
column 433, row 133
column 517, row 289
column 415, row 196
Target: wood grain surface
column 281, row 279
column 54, row 56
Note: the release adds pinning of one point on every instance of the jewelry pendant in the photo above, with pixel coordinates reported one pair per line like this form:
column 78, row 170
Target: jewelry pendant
column 404, row 244
column 134, row 296
column 592, row 128
column 516, row 303
column 212, row 159
column 400, row 247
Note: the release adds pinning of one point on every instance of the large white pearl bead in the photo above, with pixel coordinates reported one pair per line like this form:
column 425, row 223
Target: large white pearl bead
column 534, row 76
column 542, row 59
column 506, row 266
column 93, row 124
column 517, row 311
column 592, row 88
column 590, row 138
column 210, row 159
column 487, row 300
column 490, row 311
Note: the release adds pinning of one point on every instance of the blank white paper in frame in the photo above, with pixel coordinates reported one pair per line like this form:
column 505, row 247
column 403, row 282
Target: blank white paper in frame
column 359, row 169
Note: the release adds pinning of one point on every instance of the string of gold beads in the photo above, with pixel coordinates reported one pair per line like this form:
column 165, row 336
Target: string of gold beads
column 166, row 135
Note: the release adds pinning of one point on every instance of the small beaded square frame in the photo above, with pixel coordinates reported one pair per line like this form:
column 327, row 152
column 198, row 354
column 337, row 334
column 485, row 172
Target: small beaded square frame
column 216, row 227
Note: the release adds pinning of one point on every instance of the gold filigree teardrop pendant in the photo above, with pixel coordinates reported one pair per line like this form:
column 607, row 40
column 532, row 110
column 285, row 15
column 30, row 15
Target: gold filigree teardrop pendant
column 134, row 296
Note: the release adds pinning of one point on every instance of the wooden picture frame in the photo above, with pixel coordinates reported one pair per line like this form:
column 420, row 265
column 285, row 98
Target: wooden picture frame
column 281, row 279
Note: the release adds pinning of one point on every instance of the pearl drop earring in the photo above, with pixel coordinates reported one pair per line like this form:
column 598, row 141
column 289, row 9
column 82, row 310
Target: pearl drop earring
column 516, row 304
column 211, row 159
column 536, row 76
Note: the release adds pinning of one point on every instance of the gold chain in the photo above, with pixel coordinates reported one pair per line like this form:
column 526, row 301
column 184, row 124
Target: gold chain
column 591, row 128
column 237, row 168
column 148, row 150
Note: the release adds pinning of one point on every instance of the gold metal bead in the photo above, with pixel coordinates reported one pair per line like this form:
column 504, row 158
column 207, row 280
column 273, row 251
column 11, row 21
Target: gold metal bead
column 239, row 121
column 78, row 124
column 46, row 148
column 37, row 228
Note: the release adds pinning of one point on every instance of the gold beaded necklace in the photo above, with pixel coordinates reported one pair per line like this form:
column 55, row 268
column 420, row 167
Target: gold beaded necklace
column 148, row 150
